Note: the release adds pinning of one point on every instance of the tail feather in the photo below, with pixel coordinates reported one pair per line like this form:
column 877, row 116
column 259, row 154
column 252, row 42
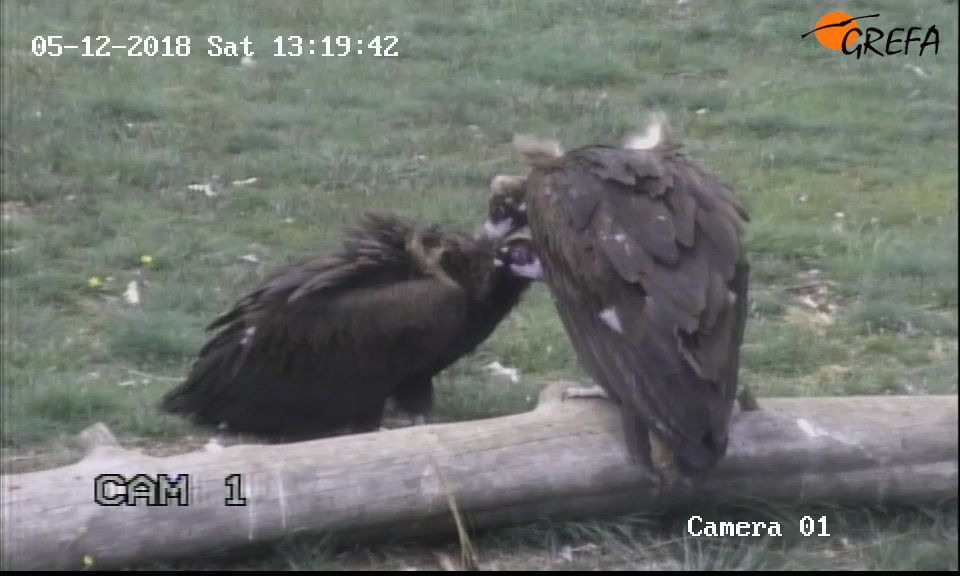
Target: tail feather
column 211, row 381
column 696, row 459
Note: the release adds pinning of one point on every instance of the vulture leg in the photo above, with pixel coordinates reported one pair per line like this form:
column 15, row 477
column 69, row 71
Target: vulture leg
column 663, row 461
column 654, row 457
column 639, row 447
column 414, row 396
column 584, row 392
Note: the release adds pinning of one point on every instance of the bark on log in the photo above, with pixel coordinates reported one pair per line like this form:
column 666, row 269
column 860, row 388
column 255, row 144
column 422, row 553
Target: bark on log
column 563, row 460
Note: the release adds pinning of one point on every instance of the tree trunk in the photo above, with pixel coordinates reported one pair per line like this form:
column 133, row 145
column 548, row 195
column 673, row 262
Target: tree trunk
column 563, row 460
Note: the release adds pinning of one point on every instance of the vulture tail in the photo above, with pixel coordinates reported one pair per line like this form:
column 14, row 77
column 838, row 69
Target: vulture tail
column 696, row 459
column 209, row 382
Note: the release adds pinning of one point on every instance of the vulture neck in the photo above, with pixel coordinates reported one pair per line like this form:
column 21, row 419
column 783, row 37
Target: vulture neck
column 491, row 286
column 506, row 289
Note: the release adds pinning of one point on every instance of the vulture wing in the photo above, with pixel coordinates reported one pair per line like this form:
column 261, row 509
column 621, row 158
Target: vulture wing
column 642, row 251
column 321, row 344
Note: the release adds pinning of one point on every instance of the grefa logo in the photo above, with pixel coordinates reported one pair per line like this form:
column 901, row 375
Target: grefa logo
column 839, row 31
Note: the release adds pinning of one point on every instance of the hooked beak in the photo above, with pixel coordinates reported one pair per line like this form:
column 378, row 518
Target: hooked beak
column 497, row 229
column 525, row 264
column 532, row 270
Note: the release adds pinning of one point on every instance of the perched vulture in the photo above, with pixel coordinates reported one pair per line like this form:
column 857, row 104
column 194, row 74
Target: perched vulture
column 320, row 346
column 642, row 252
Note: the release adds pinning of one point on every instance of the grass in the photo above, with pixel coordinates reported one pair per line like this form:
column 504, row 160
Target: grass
column 848, row 167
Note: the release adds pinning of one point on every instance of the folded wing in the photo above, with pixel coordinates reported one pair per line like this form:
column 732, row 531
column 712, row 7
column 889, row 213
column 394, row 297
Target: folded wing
column 642, row 249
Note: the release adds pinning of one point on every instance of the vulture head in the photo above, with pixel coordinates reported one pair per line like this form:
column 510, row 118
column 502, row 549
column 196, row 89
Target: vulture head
column 518, row 255
column 507, row 205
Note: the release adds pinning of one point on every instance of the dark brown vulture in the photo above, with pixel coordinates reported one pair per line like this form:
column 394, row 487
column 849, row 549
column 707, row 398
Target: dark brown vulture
column 642, row 252
column 320, row 346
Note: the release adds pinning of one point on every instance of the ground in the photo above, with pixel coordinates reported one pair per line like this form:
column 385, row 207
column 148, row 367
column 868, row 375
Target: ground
column 195, row 176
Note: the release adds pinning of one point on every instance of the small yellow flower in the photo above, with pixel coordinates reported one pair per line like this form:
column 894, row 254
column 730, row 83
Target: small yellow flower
column 94, row 282
column 146, row 259
column 87, row 560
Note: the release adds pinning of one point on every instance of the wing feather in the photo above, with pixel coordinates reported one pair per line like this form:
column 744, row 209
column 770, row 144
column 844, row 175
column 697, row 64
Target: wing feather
column 650, row 225
column 684, row 209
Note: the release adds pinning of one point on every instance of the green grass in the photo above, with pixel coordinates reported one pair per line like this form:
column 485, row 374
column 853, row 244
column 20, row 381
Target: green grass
column 98, row 154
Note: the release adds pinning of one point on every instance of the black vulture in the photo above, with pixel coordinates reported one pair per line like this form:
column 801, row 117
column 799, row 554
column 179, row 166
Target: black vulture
column 642, row 251
column 320, row 346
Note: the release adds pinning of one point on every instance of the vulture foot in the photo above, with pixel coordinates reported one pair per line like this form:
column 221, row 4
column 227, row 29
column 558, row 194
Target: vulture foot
column 585, row 392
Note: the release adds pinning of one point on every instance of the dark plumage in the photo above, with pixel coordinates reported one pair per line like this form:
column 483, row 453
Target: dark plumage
column 641, row 250
column 322, row 345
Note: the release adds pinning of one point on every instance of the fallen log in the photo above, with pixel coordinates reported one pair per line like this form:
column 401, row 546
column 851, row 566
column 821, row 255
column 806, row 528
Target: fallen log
column 563, row 460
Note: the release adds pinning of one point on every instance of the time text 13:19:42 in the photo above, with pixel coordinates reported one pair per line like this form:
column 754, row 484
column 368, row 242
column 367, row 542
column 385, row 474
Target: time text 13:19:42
column 335, row 46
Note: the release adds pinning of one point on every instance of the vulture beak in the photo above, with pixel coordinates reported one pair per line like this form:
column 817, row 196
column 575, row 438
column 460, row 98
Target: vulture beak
column 522, row 233
column 525, row 264
column 499, row 229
